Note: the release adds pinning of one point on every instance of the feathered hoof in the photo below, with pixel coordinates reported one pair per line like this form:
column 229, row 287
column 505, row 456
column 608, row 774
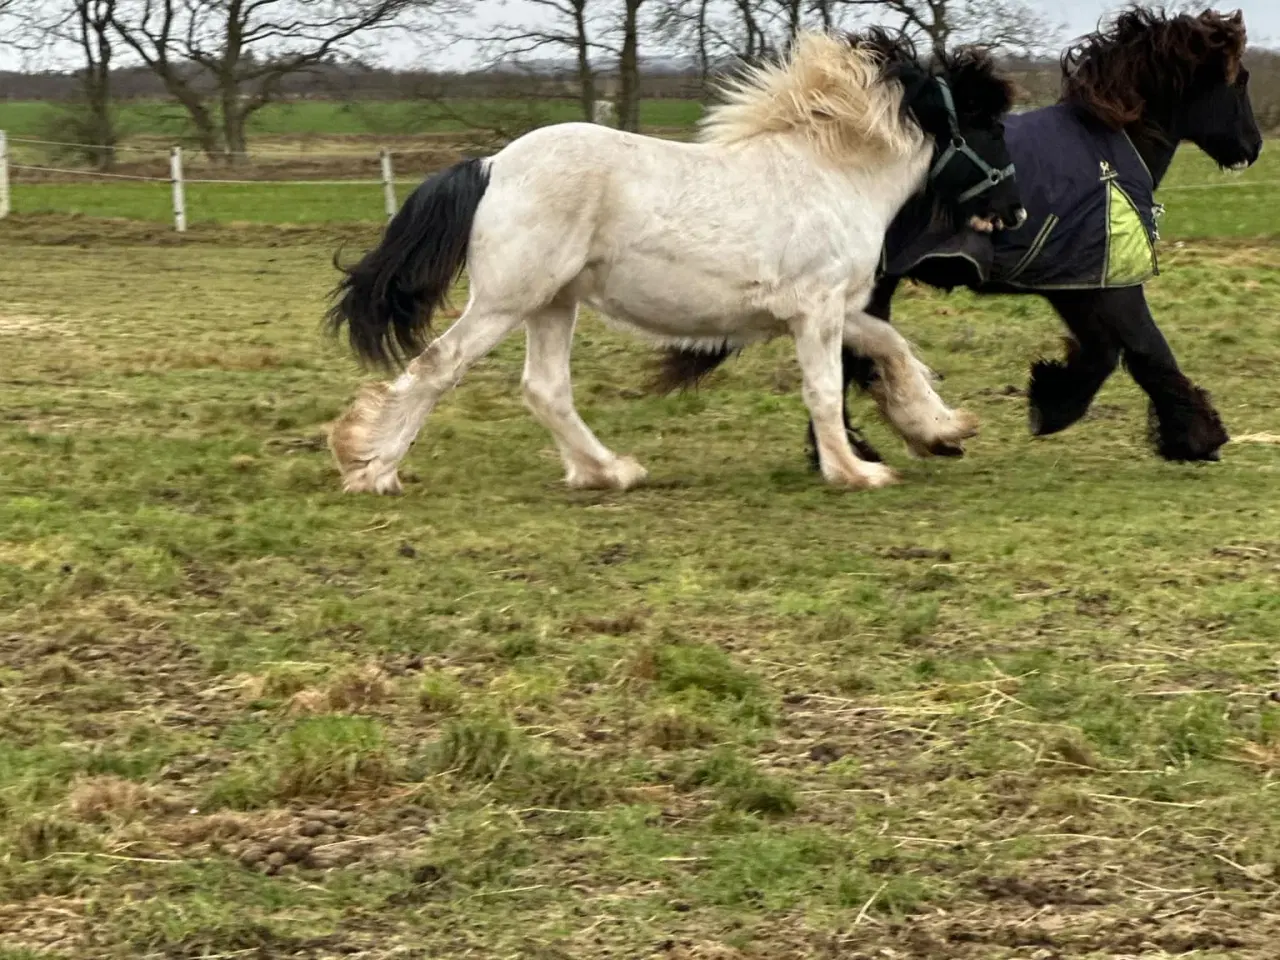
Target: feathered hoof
column 375, row 476
column 622, row 473
column 351, row 442
column 871, row 476
column 948, row 442
column 966, row 426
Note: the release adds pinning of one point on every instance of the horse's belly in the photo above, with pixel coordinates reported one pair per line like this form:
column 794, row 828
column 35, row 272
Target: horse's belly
column 675, row 302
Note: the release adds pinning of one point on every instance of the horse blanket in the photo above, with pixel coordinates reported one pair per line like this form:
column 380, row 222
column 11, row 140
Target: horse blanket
column 1091, row 216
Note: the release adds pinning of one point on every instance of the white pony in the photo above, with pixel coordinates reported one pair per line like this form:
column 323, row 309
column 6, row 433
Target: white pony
column 771, row 225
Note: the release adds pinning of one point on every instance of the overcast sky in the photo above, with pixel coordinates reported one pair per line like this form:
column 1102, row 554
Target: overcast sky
column 1079, row 16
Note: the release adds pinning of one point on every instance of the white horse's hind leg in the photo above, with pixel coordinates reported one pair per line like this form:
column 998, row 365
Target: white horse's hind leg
column 548, row 392
column 818, row 349
column 904, row 391
column 375, row 433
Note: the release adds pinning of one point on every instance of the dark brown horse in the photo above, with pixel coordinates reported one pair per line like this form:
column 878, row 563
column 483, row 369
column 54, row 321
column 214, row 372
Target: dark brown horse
column 1162, row 80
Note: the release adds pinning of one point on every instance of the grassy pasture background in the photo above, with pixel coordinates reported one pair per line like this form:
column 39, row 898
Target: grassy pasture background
column 1020, row 706
column 316, row 140
column 353, row 118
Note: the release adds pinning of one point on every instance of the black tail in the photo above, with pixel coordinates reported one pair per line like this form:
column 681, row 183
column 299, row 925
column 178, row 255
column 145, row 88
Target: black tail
column 386, row 300
column 678, row 369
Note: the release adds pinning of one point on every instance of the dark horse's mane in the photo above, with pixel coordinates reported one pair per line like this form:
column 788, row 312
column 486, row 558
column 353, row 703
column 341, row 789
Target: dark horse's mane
column 1104, row 72
column 971, row 69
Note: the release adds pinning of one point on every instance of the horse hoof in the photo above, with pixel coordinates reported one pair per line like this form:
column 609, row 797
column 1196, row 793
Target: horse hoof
column 967, row 425
column 373, row 477
column 871, row 476
column 622, row 473
column 878, row 475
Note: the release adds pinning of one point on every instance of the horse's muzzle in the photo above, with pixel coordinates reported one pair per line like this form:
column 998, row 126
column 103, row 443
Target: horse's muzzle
column 997, row 222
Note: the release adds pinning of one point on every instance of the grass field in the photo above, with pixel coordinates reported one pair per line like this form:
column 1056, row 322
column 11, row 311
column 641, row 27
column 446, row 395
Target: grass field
column 1020, row 706
column 335, row 118
column 1201, row 200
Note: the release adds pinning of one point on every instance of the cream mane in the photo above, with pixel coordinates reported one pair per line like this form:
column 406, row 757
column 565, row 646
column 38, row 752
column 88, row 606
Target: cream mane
column 826, row 91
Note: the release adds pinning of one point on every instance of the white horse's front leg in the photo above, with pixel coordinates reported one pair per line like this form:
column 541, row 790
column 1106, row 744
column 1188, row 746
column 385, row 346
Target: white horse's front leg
column 818, row 349
column 376, row 432
column 903, row 390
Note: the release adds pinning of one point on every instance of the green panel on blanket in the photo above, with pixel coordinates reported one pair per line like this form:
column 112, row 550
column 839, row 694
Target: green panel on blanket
column 1131, row 257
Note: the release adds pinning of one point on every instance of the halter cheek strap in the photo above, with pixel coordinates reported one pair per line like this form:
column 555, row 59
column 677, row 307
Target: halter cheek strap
column 959, row 148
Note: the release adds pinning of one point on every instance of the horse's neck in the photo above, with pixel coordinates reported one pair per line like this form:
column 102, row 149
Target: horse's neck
column 1155, row 145
column 903, row 180
column 872, row 189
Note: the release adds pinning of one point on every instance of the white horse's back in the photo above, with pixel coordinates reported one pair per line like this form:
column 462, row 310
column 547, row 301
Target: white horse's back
column 682, row 242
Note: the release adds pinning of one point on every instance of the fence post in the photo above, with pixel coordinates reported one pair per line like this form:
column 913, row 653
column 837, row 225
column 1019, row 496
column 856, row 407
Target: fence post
column 388, row 185
column 179, row 193
column 4, row 175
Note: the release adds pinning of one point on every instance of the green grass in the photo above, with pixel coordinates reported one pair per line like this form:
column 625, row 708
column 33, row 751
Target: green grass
column 1204, row 202
column 332, row 118
column 1018, row 703
column 210, row 203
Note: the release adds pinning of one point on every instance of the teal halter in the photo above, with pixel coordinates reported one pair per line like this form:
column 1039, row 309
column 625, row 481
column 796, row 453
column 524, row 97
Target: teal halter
column 959, row 148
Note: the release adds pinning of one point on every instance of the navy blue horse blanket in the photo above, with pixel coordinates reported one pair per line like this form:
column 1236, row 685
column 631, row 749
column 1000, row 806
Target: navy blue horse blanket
column 1091, row 216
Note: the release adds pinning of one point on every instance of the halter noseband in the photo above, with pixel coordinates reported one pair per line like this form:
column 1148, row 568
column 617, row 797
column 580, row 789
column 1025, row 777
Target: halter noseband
column 959, row 148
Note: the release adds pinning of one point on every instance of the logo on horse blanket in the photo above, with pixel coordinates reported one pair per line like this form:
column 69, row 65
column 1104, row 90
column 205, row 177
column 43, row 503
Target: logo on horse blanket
column 1091, row 216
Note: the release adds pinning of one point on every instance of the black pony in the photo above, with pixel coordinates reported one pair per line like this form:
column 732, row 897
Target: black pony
column 1159, row 81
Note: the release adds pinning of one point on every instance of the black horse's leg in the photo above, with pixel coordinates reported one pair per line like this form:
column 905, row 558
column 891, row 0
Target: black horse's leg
column 1184, row 423
column 862, row 371
column 1061, row 390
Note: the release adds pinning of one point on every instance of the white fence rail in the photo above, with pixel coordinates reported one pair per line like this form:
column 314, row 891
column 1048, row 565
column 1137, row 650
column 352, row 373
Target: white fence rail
column 177, row 180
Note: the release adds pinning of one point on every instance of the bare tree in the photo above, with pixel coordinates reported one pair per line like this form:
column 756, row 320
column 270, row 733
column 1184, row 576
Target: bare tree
column 1007, row 25
column 629, row 66
column 91, row 23
column 85, row 126
column 571, row 25
column 688, row 23
column 743, row 30
column 223, row 60
column 23, row 26
column 750, row 29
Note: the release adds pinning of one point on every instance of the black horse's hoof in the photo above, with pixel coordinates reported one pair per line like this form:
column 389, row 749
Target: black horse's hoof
column 1188, row 428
